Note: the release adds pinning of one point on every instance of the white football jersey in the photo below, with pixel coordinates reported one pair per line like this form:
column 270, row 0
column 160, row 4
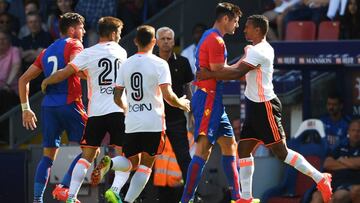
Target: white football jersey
column 259, row 86
column 101, row 63
column 141, row 75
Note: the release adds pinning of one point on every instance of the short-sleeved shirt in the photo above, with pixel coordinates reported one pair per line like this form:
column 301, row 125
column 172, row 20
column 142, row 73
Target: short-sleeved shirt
column 101, row 64
column 141, row 75
column 181, row 74
column 345, row 176
column 54, row 58
column 259, row 87
column 335, row 131
column 211, row 49
column 7, row 61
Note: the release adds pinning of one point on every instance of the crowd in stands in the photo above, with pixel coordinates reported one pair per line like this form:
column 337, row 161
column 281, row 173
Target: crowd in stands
column 344, row 11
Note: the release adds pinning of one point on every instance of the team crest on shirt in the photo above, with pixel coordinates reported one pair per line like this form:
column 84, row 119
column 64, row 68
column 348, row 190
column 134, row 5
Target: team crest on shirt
column 207, row 112
column 220, row 40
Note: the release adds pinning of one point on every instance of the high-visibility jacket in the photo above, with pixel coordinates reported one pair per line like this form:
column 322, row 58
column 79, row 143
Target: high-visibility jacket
column 166, row 169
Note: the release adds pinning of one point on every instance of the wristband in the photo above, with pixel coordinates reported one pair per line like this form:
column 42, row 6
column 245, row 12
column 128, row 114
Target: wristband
column 25, row 106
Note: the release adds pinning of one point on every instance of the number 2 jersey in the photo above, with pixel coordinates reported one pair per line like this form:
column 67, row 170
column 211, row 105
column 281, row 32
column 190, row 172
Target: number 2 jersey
column 101, row 63
column 141, row 75
column 54, row 58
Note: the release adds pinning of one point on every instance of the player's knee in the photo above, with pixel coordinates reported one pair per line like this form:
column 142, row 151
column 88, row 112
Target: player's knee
column 341, row 196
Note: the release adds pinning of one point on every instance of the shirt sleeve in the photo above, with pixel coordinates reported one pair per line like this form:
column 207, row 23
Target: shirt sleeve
column 76, row 47
column 253, row 57
column 216, row 50
column 80, row 62
column 120, row 79
column 164, row 76
column 38, row 59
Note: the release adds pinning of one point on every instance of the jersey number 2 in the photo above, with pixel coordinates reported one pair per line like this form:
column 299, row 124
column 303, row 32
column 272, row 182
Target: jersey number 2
column 54, row 60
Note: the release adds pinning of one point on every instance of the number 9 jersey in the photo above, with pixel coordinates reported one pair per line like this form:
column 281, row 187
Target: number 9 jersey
column 54, row 58
column 101, row 64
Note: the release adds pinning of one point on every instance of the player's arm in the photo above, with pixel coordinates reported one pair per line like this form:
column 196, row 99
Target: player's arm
column 332, row 164
column 231, row 73
column 80, row 74
column 28, row 116
column 58, row 76
column 171, row 98
column 118, row 92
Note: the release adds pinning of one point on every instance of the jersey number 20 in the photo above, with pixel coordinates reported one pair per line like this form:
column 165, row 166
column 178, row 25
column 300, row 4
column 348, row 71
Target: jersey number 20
column 108, row 67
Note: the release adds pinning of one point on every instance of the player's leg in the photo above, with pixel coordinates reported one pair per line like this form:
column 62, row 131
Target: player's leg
column 94, row 133
column 196, row 167
column 80, row 170
column 73, row 119
column 42, row 172
column 116, row 128
column 255, row 126
column 140, row 177
column 51, row 131
column 228, row 150
column 150, row 144
column 207, row 110
column 279, row 148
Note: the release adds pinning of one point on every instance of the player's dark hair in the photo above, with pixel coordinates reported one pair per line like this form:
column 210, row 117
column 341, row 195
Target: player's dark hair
column 227, row 9
column 260, row 21
column 70, row 20
column 108, row 24
column 144, row 35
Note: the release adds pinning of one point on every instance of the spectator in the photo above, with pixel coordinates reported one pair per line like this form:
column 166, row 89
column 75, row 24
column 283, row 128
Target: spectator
column 335, row 123
column 32, row 45
column 189, row 52
column 181, row 77
column 313, row 10
column 344, row 165
column 133, row 12
column 62, row 6
column 336, row 6
column 6, row 24
column 4, row 8
column 31, row 6
column 93, row 10
column 10, row 63
column 350, row 22
column 276, row 16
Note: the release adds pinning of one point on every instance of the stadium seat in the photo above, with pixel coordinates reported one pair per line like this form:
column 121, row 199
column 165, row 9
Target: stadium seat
column 329, row 30
column 300, row 30
column 295, row 187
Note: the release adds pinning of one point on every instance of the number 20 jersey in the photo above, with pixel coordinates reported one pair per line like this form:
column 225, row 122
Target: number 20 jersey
column 141, row 75
column 101, row 63
column 54, row 58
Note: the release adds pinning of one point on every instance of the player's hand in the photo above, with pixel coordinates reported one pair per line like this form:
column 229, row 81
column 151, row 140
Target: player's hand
column 184, row 104
column 203, row 74
column 29, row 119
column 44, row 85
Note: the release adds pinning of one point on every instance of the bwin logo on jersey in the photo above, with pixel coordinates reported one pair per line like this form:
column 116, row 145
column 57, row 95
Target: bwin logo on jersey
column 140, row 107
